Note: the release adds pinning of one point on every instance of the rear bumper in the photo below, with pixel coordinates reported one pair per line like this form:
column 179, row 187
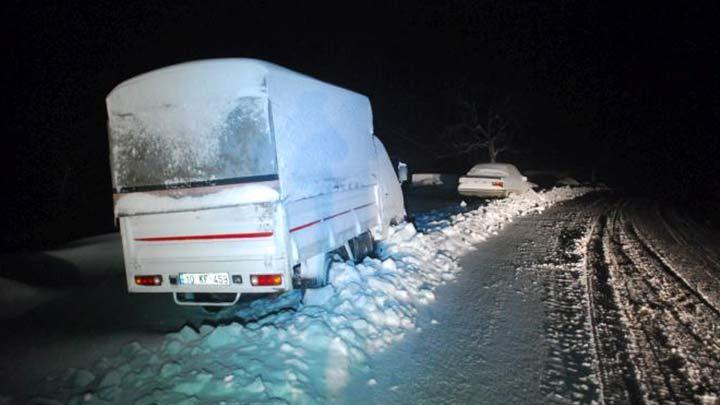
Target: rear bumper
column 239, row 273
column 241, row 241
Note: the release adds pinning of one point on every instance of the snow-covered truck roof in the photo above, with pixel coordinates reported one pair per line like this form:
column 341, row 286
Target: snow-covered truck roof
column 233, row 118
column 209, row 77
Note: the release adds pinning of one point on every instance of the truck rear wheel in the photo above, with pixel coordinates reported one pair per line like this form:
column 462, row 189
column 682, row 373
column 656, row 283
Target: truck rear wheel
column 315, row 271
column 361, row 246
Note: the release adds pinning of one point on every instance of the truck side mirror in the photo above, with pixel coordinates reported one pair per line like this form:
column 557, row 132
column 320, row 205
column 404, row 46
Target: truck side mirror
column 402, row 172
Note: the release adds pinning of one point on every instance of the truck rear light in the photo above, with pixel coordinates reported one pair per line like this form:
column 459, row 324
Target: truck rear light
column 151, row 280
column 265, row 279
column 497, row 183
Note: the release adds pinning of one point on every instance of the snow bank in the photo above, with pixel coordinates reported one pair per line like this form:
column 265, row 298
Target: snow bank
column 96, row 256
column 303, row 351
column 17, row 298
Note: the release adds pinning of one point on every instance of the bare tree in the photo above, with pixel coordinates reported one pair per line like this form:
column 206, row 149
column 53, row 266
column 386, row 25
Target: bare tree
column 479, row 130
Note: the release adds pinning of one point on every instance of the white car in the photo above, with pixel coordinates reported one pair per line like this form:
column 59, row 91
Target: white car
column 493, row 180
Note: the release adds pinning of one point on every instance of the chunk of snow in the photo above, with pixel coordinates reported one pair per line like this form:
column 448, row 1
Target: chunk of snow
column 170, row 369
column 338, row 364
column 83, row 378
column 319, row 296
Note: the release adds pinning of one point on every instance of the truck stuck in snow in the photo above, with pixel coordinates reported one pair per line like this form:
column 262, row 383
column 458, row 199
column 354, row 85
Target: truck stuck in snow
column 235, row 176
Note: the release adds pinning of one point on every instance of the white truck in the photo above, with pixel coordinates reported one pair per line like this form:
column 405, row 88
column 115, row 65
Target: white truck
column 234, row 176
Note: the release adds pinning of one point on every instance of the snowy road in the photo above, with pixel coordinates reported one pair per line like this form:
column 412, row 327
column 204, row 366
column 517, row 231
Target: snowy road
column 512, row 329
column 574, row 305
column 527, row 300
column 652, row 306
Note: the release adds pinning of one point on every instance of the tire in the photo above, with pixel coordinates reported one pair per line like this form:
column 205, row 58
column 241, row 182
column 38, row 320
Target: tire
column 316, row 271
column 362, row 246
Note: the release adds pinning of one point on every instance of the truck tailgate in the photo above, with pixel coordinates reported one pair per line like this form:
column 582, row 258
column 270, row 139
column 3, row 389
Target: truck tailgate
column 238, row 240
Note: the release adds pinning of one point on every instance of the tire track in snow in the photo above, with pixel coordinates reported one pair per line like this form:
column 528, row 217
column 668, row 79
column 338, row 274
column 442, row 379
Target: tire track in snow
column 615, row 368
column 571, row 370
column 651, row 251
column 673, row 331
column 687, row 254
column 688, row 231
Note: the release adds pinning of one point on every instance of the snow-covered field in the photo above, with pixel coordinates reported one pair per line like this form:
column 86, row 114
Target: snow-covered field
column 294, row 348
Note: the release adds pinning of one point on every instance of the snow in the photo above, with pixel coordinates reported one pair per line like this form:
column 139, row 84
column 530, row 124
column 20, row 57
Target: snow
column 295, row 349
column 323, row 135
column 169, row 125
column 390, row 194
column 136, row 203
column 568, row 181
column 17, row 298
column 95, row 256
column 434, row 179
column 670, row 323
column 513, row 180
column 492, row 169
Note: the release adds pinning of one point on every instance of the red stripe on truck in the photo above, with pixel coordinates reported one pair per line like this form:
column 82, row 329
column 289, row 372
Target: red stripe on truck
column 309, row 224
column 336, row 215
column 247, row 235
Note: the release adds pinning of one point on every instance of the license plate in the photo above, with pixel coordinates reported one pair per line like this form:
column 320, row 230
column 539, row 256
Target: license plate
column 204, row 278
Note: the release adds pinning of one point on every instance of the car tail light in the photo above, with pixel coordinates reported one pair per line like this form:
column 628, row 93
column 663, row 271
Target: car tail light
column 497, row 183
column 265, row 279
column 151, row 280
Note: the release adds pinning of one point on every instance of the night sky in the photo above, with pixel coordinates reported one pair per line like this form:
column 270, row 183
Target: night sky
column 630, row 91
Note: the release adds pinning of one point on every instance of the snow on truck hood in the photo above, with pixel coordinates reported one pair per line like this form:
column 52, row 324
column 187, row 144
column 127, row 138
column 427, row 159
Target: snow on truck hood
column 146, row 203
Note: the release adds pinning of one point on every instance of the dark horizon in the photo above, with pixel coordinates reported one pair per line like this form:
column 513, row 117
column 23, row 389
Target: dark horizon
column 627, row 91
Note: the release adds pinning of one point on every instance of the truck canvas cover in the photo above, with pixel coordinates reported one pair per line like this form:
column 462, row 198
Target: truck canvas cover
column 223, row 121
